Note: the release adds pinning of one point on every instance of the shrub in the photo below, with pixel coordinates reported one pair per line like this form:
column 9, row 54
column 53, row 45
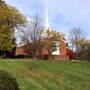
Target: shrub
column 20, row 56
column 7, row 82
column 29, row 56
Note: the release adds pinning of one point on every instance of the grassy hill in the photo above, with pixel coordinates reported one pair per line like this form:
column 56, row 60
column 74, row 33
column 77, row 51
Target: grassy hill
column 62, row 75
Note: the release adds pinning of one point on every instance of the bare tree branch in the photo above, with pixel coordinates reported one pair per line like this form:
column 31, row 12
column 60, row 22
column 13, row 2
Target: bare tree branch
column 32, row 36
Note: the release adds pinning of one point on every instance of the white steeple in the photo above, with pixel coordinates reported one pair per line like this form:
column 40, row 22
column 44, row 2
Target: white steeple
column 47, row 26
column 46, row 19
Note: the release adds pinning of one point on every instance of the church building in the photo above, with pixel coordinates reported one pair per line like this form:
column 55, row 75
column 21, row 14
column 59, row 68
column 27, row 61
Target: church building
column 61, row 52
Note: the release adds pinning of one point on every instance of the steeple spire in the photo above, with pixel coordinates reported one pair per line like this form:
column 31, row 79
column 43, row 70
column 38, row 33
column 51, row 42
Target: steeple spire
column 47, row 26
column 46, row 21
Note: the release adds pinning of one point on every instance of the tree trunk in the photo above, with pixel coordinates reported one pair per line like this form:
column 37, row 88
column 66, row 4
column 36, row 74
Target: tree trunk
column 50, row 56
column 33, row 61
column 4, row 54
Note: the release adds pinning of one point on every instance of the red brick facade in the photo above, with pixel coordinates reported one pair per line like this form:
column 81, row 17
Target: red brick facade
column 21, row 50
column 44, row 53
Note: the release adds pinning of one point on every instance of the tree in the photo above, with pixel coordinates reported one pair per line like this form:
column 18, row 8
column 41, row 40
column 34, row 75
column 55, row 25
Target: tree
column 76, row 37
column 84, row 51
column 10, row 18
column 32, row 36
column 50, row 41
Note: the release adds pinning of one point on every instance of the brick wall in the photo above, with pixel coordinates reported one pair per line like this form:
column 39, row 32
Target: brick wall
column 60, row 57
column 21, row 49
column 63, row 49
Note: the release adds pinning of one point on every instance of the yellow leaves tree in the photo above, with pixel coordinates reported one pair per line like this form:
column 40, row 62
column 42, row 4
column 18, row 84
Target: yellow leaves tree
column 50, row 39
column 76, row 37
column 10, row 19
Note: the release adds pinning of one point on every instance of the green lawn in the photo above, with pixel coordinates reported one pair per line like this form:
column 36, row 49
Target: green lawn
column 62, row 75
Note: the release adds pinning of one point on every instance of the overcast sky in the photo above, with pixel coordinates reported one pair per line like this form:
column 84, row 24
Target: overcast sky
column 63, row 14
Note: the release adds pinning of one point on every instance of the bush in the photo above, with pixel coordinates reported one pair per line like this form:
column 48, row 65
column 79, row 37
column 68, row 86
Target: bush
column 29, row 56
column 7, row 82
column 20, row 56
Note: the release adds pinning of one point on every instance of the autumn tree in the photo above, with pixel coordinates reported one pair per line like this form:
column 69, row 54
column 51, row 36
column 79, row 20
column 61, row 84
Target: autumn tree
column 84, row 50
column 10, row 19
column 50, row 40
column 32, row 35
column 76, row 37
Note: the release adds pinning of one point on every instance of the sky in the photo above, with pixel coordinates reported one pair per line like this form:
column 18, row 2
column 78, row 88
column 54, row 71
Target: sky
column 63, row 15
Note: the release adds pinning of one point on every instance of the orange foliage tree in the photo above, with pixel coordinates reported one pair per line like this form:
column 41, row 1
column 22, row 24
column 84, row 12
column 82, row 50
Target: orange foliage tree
column 50, row 39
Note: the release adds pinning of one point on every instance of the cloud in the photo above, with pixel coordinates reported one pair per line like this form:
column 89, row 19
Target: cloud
column 66, row 14
column 63, row 14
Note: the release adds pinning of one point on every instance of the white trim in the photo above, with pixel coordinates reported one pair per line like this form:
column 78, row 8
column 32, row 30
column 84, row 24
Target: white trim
column 57, row 52
column 21, row 45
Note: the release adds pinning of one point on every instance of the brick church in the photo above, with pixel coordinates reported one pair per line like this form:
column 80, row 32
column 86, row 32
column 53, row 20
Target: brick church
column 61, row 53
